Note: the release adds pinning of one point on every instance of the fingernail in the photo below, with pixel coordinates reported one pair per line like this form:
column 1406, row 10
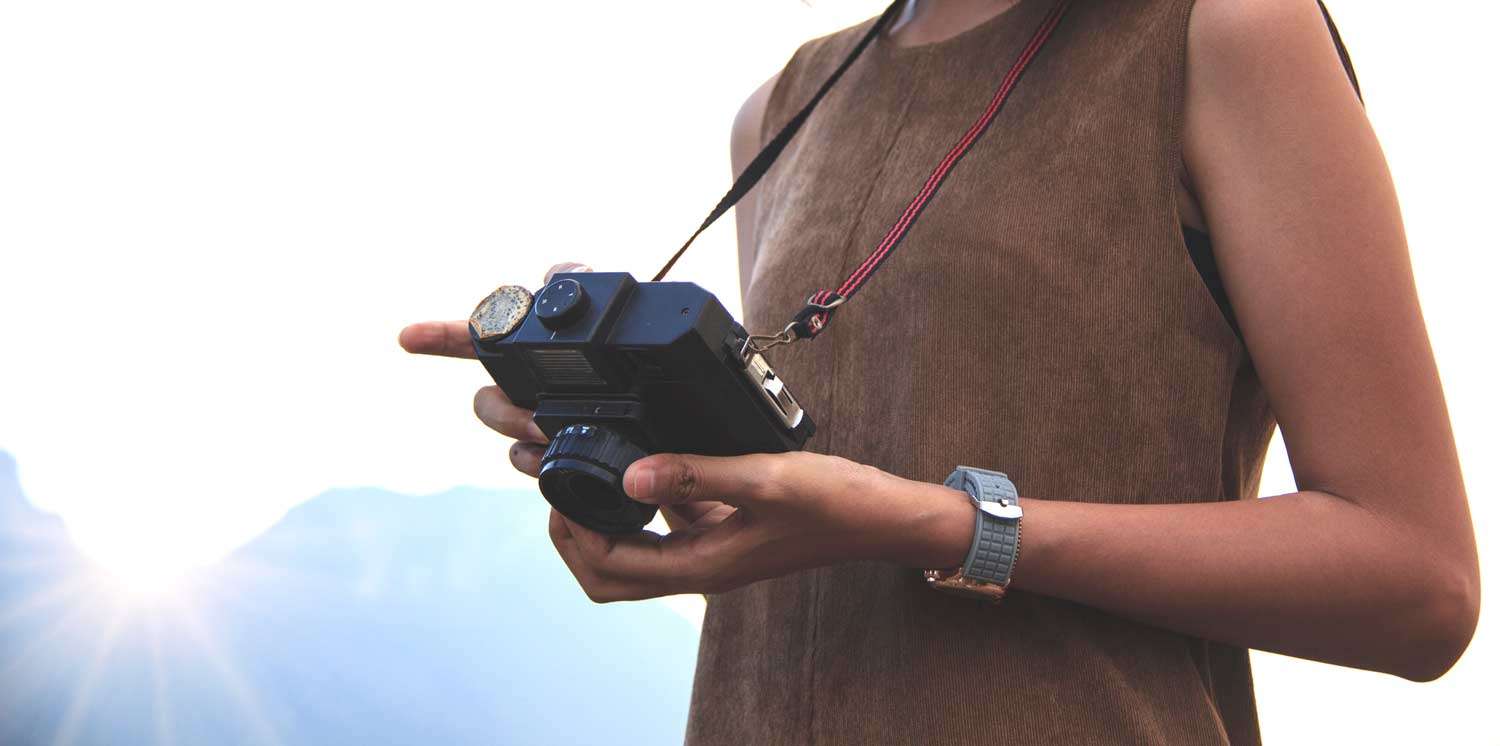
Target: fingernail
column 642, row 483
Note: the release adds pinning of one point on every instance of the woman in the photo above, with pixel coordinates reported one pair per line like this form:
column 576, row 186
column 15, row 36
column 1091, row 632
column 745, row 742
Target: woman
column 1047, row 316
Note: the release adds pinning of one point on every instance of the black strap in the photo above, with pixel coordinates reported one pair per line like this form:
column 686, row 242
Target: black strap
column 1338, row 43
column 768, row 154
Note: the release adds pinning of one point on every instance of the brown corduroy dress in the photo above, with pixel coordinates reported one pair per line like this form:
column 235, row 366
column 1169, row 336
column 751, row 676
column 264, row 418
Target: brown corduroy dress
column 1042, row 318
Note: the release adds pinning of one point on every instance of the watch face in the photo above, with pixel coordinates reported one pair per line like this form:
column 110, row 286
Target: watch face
column 934, row 576
column 953, row 581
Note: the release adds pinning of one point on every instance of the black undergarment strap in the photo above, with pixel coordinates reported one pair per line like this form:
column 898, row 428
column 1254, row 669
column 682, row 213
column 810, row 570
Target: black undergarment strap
column 1338, row 43
column 768, row 154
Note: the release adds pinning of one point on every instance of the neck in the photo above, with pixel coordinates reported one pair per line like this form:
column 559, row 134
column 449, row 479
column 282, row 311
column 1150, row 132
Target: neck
column 928, row 21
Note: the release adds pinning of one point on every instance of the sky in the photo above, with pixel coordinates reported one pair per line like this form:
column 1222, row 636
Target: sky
column 214, row 218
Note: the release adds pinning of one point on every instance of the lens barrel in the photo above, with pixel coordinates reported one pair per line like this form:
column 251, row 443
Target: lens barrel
column 583, row 476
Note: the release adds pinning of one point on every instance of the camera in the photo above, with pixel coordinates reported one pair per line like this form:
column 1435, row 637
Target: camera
column 617, row 369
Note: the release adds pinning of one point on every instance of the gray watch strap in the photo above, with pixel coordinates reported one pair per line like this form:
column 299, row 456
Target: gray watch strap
column 997, row 523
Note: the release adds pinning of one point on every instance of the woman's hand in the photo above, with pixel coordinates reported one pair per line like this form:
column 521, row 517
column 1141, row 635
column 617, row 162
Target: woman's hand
column 771, row 514
column 451, row 339
column 735, row 520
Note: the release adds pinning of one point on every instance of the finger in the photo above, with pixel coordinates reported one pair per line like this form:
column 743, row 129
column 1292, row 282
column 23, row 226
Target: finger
column 674, row 478
column 557, row 528
column 639, row 565
column 446, row 338
column 558, row 269
column 527, row 458
column 495, row 411
column 712, row 515
column 567, row 549
column 565, row 538
column 689, row 513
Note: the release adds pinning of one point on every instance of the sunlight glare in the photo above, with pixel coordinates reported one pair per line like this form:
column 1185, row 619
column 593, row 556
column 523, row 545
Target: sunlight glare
column 143, row 569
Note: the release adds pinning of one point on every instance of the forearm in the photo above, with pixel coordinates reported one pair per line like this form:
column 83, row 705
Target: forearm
column 1306, row 574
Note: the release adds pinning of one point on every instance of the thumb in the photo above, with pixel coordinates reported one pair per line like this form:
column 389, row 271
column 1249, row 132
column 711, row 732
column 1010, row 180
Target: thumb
column 673, row 478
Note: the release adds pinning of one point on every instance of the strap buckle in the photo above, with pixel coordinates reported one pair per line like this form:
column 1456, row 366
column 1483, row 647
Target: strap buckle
column 810, row 321
column 807, row 324
column 756, row 344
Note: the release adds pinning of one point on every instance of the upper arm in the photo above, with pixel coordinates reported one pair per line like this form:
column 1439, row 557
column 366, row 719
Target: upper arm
column 744, row 143
column 1308, row 236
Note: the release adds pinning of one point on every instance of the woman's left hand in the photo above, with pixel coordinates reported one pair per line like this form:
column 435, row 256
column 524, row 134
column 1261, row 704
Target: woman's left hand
column 781, row 513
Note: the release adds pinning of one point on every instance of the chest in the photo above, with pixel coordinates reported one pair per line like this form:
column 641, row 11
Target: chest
column 1045, row 284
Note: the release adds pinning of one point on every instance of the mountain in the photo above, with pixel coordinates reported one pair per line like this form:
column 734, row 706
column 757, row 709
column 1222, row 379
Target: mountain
column 34, row 550
column 362, row 617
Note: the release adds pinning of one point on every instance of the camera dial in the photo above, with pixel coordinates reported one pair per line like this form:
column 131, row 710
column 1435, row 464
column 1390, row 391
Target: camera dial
column 500, row 313
column 561, row 303
column 583, row 476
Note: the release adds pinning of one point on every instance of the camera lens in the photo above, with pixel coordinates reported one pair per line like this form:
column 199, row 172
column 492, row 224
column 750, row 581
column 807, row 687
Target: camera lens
column 583, row 476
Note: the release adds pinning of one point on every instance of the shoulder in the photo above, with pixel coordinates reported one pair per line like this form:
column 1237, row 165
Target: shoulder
column 1260, row 74
column 1236, row 17
column 1260, row 43
column 805, row 65
column 745, row 137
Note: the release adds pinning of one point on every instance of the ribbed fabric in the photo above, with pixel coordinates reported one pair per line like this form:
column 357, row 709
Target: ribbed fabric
column 1043, row 318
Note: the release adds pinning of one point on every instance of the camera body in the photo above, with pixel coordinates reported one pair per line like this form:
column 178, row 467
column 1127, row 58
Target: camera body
column 616, row 369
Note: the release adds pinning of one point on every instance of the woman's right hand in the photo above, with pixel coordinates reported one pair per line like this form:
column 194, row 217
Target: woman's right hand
column 451, row 339
column 495, row 410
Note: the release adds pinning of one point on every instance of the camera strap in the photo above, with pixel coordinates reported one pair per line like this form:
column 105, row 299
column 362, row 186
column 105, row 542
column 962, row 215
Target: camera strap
column 814, row 316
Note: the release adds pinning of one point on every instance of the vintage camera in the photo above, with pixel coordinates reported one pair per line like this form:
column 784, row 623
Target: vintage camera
column 617, row 369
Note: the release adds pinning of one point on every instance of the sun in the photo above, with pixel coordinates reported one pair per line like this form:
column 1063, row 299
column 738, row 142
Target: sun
column 143, row 570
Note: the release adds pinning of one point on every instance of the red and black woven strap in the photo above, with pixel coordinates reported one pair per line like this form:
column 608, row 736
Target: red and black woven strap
column 814, row 317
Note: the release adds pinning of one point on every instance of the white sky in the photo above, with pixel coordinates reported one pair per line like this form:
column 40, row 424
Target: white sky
column 215, row 216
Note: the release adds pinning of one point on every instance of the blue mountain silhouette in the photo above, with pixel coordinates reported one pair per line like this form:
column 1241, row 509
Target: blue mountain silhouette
column 362, row 617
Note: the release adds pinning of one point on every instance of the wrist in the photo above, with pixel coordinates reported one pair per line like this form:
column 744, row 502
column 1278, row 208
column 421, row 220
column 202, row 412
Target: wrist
column 1036, row 543
column 989, row 565
column 937, row 526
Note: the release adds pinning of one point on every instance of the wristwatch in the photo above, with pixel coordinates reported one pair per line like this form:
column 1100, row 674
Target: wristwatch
column 991, row 560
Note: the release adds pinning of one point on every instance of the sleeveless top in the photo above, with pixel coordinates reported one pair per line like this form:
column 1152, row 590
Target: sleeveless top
column 1043, row 318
